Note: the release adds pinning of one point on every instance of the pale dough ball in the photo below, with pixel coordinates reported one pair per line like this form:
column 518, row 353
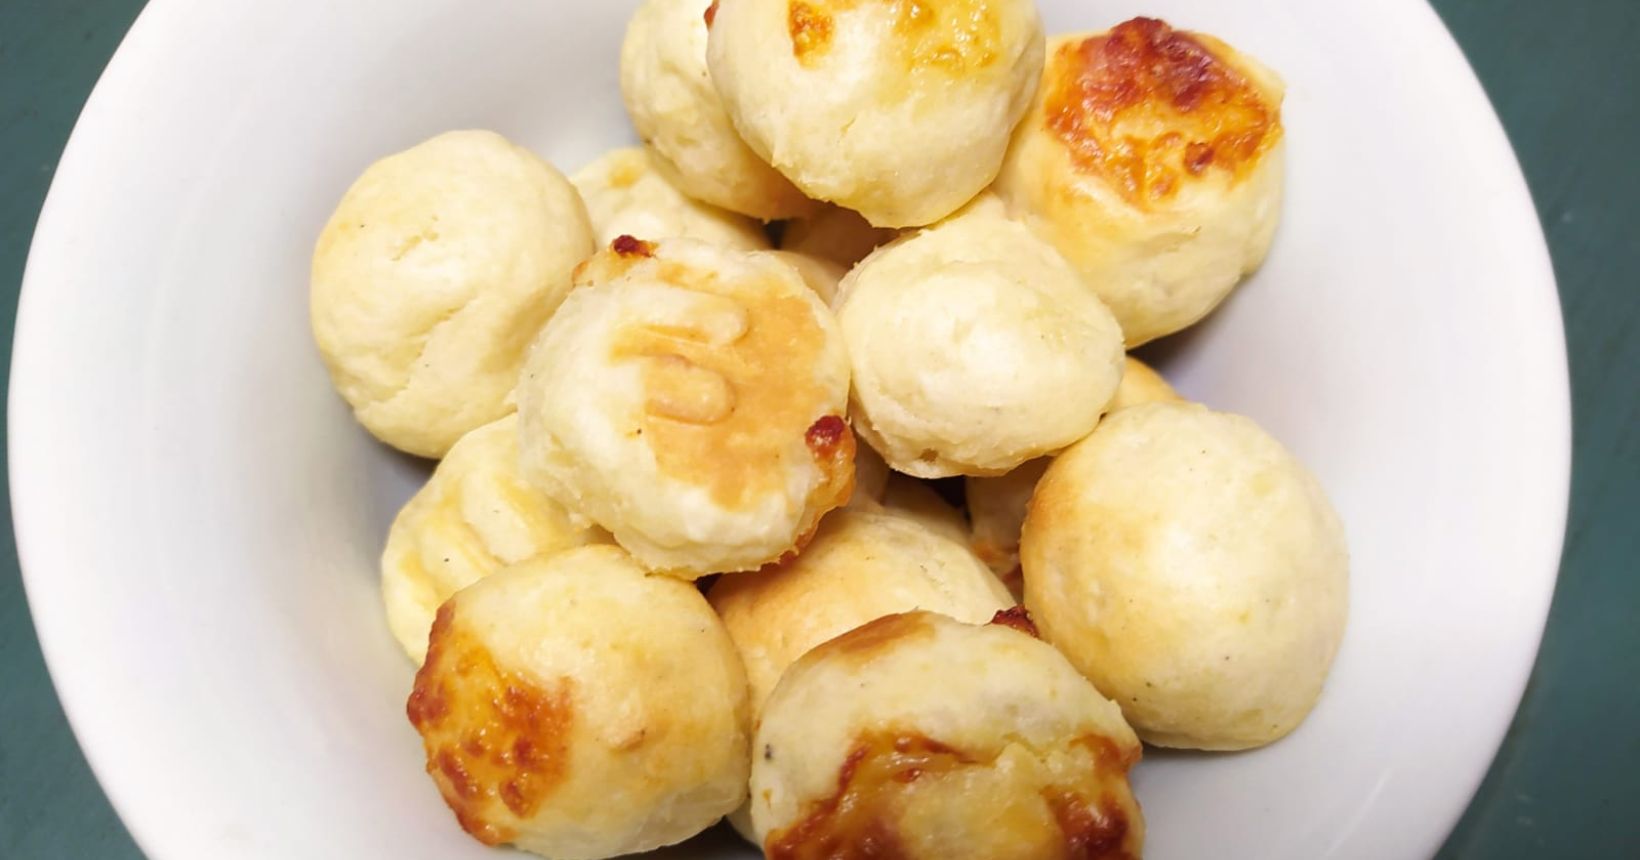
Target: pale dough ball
column 1152, row 159
column 679, row 115
column 974, row 348
column 996, row 505
column 900, row 111
column 1193, row 570
column 475, row 516
column 556, row 687
column 690, row 399
column 945, row 741
column 437, row 268
column 840, row 235
column 624, row 194
column 859, row 567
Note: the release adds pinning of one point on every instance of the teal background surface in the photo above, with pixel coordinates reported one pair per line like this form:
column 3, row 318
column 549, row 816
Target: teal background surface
column 1565, row 78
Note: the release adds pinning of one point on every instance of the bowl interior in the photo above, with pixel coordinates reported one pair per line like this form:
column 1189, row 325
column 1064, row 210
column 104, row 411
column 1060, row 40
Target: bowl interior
column 200, row 518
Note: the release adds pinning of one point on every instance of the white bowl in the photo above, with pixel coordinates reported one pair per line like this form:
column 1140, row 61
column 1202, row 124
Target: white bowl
column 199, row 518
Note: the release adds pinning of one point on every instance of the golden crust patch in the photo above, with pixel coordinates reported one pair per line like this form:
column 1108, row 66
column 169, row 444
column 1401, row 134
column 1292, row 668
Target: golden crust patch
column 1149, row 109
column 496, row 743
column 953, row 36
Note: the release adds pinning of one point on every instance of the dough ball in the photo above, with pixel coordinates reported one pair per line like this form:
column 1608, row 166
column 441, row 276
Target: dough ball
column 556, row 687
column 625, row 195
column 1193, row 570
column 1152, row 160
column 689, row 399
column 475, row 516
column 437, row 268
column 680, row 116
column 900, row 111
column 859, row 567
column 840, row 235
column 975, row 348
column 943, row 741
column 996, row 505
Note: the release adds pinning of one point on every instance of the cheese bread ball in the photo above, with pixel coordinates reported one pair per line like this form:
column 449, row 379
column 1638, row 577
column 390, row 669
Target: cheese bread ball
column 996, row 505
column 561, row 685
column 475, row 516
column 437, row 268
column 840, row 235
column 689, row 399
column 931, row 739
column 1152, row 159
column 624, row 194
column 1193, row 570
column 859, row 567
column 821, row 275
column 974, row 347
column 900, row 111
column 680, row 116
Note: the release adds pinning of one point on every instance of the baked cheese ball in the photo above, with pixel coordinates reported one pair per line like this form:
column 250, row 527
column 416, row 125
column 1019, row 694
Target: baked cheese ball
column 928, row 739
column 690, row 400
column 681, row 118
column 900, row 111
column 833, row 233
column 974, row 347
column 435, row 271
column 996, row 505
column 859, row 567
column 1193, row 570
column 1152, row 159
column 626, row 195
column 475, row 516
column 557, row 687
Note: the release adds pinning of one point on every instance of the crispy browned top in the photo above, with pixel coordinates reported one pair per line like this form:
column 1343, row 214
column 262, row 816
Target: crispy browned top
column 1149, row 108
column 950, row 35
column 728, row 392
column 496, row 743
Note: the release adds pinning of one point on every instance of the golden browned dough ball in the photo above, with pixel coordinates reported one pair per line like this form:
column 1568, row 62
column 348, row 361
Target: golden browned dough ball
column 920, row 737
column 1194, row 570
column 900, row 111
column 680, row 116
column 475, row 516
column 689, row 399
column 1152, row 159
column 438, row 266
column 555, row 688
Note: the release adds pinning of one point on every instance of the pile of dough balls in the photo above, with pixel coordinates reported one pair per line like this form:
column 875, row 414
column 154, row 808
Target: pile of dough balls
column 791, row 467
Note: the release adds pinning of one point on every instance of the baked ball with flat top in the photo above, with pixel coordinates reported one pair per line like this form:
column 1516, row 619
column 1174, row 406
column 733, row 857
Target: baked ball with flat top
column 626, row 195
column 898, row 110
column 435, row 271
column 921, row 737
column 1152, row 160
column 474, row 516
column 690, row 400
column 1194, row 570
column 681, row 118
column 974, row 347
column 558, row 685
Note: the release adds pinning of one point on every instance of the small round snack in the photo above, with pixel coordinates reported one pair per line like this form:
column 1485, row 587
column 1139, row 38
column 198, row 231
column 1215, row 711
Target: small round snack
column 859, row 567
column 475, row 516
column 996, row 505
column 900, row 111
column 1193, row 570
column 1152, row 160
column 556, row 685
column 625, row 194
column 690, row 399
column 974, row 347
column 437, row 268
column 930, row 739
column 840, row 235
column 681, row 118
